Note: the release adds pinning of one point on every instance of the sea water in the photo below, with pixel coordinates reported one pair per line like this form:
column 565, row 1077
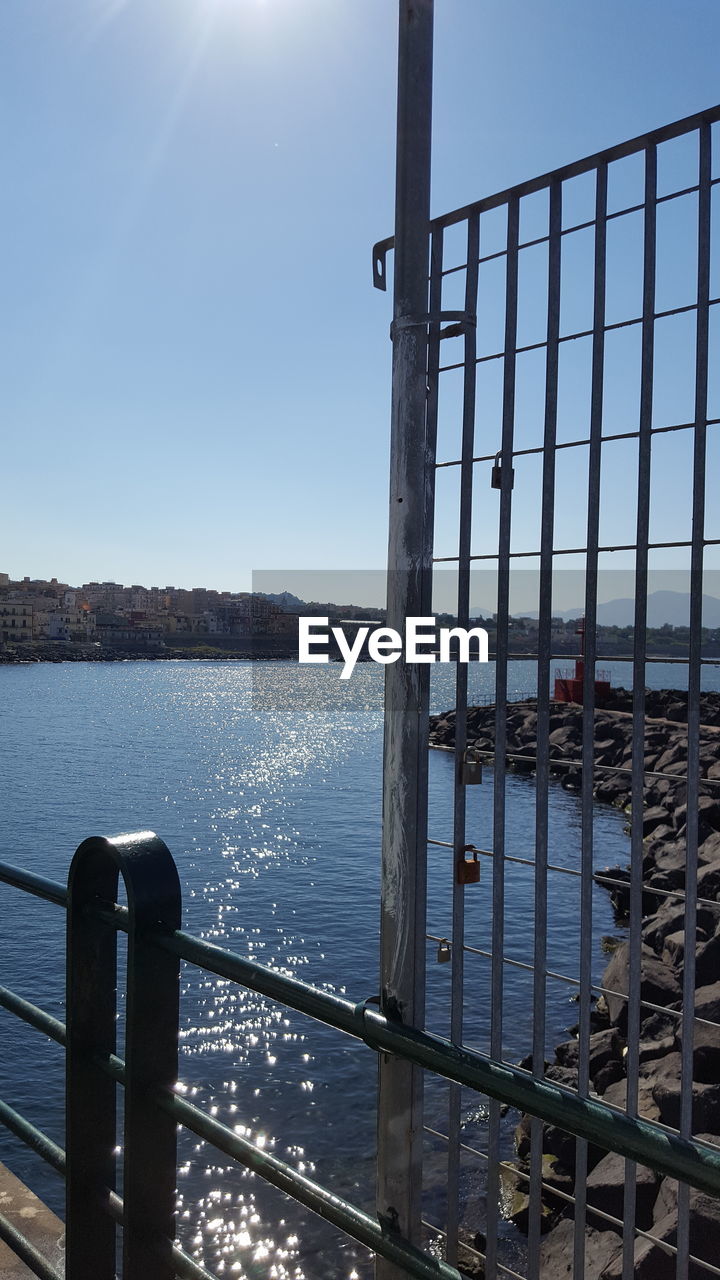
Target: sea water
column 265, row 781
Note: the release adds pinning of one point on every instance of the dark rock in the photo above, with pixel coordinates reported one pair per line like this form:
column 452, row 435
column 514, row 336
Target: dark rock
column 606, row 1189
column 650, row 1050
column 654, row 817
column 566, row 1054
column 515, row 1198
column 666, row 1093
column 607, row 1075
column 556, row 1251
column 556, row 1143
column 706, row 1050
column 522, row 1138
column 604, row 1047
column 662, row 839
column 674, row 758
column 566, row 1076
column 568, row 735
column 708, row 810
column 647, row 1106
column 709, row 849
column 708, row 881
column 704, row 1221
column 707, row 962
column 673, row 952
column 671, row 864
column 468, row 1262
column 707, row 1002
column 613, row 789
column 617, row 882
column 657, row 1026
column 671, row 918
column 651, row 1261
column 658, row 983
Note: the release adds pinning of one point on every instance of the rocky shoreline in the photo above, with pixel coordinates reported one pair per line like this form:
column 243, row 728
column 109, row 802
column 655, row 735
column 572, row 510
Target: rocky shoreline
column 662, row 966
column 30, row 654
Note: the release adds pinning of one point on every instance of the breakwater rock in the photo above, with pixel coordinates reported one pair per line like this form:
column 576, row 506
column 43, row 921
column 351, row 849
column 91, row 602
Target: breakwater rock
column 49, row 651
column 663, row 948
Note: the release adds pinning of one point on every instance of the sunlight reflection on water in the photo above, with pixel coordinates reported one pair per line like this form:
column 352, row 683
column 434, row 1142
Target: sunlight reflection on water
column 266, row 784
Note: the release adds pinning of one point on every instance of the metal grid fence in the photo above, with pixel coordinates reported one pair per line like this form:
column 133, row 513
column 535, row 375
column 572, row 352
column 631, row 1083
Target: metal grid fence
column 570, row 391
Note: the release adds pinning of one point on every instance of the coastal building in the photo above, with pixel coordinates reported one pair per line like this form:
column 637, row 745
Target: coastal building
column 70, row 624
column 15, row 621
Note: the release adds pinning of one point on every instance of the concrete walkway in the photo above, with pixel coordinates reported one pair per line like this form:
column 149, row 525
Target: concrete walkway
column 36, row 1222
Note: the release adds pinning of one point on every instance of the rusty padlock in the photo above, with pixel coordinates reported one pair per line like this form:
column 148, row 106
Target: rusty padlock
column 471, row 768
column 468, row 872
column 443, row 951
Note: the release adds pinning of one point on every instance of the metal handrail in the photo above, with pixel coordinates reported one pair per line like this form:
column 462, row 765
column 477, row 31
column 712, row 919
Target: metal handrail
column 137, row 859
column 638, row 1139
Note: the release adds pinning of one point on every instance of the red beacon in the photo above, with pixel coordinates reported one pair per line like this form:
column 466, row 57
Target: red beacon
column 569, row 686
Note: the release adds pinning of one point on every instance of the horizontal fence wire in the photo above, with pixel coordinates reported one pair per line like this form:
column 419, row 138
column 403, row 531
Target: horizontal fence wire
column 538, row 450
column 581, row 333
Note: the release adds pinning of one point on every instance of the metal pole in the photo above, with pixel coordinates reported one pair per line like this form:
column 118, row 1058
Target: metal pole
column 404, row 842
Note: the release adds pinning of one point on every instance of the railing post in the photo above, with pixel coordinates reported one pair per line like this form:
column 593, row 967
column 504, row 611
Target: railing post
column 404, row 844
column 151, row 1040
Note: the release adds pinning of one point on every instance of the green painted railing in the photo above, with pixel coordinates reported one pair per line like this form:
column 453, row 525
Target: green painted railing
column 153, row 1108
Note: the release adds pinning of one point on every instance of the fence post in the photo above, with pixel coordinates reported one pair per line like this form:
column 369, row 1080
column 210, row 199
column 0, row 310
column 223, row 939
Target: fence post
column 404, row 844
column 151, row 1040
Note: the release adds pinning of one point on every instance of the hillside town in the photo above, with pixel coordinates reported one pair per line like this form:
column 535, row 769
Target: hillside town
column 134, row 617
column 40, row 617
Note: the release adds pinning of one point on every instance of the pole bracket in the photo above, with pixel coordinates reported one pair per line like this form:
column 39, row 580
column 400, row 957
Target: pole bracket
column 456, row 321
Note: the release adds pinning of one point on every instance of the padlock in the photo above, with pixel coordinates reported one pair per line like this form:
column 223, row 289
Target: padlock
column 468, row 872
column 472, row 768
column 443, row 951
column 496, row 477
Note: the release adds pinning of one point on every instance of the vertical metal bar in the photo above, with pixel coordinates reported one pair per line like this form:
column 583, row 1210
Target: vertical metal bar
column 433, row 388
column 461, row 702
column 151, row 1048
column 588, row 742
column 89, row 1094
column 638, row 713
column 403, row 885
column 501, row 687
column 693, row 718
column 542, row 767
column 151, row 1058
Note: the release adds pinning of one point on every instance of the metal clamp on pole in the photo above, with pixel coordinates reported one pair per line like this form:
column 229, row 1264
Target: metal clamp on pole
column 457, row 321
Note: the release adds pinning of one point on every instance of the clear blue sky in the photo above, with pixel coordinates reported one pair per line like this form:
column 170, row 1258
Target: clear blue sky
column 194, row 366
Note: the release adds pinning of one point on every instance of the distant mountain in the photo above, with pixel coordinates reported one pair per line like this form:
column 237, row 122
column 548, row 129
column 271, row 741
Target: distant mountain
column 671, row 607
column 663, row 606
column 283, row 599
column 293, row 604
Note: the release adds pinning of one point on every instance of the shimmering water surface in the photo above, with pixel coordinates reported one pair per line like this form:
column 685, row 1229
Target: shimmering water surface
column 270, row 802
